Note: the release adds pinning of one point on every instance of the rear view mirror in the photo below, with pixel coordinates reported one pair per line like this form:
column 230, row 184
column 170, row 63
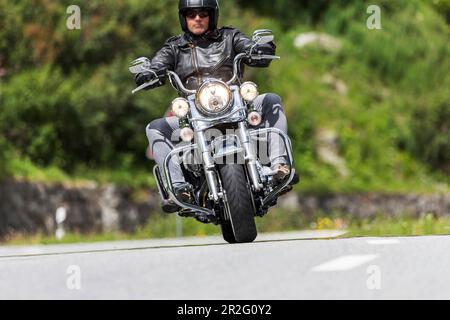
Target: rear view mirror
column 140, row 65
column 263, row 36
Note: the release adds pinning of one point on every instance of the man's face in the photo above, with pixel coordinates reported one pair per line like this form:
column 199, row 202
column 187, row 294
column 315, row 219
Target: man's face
column 197, row 21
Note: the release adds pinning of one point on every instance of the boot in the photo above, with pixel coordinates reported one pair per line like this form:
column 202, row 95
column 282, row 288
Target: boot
column 183, row 192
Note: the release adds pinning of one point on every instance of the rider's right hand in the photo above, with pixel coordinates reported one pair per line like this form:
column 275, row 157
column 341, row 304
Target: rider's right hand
column 142, row 78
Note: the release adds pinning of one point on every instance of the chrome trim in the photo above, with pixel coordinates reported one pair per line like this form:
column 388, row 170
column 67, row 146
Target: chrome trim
column 155, row 174
column 236, row 114
column 218, row 118
column 226, row 150
column 170, row 191
column 179, row 83
column 288, row 145
column 225, row 109
column 250, row 155
column 237, row 60
column 240, row 56
column 208, row 164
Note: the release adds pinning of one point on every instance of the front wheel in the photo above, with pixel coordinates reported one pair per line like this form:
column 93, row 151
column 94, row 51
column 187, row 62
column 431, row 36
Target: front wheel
column 241, row 227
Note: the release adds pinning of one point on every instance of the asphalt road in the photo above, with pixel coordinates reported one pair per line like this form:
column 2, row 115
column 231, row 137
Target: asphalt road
column 300, row 265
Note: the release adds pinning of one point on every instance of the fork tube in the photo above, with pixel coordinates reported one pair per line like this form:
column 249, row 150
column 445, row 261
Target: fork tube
column 209, row 165
column 250, row 155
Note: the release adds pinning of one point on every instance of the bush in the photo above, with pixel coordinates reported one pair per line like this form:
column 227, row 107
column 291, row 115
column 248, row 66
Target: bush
column 66, row 98
column 3, row 158
column 431, row 131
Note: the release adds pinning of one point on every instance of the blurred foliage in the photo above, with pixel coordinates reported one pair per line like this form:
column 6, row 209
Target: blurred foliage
column 290, row 13
column 164, row 226
column 385, row 226
column 431, row 129
column 65, row 99
column 444, row 7
column 3, row 157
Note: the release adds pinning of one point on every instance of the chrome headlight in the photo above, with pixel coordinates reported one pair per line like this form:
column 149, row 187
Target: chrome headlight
column 214, row 97
column 249, row 91
column 180, row 107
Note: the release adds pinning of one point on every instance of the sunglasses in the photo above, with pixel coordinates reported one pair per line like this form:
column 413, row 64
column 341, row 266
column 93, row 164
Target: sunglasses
column 192, row 14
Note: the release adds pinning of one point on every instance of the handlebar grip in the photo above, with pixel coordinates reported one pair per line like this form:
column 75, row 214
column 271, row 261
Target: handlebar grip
column 145, row 85
column 264, row 57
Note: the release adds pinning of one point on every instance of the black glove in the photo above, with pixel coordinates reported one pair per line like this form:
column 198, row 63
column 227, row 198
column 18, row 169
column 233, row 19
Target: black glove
column 263, row 49
column 142, row 78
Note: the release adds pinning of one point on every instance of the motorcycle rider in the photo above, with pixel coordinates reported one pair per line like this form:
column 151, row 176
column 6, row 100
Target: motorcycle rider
column 206, row 51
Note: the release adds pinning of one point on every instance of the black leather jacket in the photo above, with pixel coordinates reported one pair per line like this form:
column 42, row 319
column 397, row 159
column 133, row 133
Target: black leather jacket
column 209, row 56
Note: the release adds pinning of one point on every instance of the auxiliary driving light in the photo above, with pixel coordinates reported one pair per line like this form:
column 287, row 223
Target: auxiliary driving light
column 180, row 107
column 249, row 91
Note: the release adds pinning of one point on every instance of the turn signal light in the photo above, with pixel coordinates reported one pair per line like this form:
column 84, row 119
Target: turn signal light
column 254, row 118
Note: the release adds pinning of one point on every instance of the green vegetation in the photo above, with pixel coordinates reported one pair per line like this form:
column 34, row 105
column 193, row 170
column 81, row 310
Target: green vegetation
column 67, row 113
column 401, row 226
column 164, row 226
column 137, row 178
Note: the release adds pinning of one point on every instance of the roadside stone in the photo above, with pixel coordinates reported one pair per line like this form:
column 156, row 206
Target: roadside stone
column 328, row 150
column 29, row 208
column 322, row 40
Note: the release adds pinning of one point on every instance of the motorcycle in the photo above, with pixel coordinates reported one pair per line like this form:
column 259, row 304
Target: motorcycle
column 231, row 184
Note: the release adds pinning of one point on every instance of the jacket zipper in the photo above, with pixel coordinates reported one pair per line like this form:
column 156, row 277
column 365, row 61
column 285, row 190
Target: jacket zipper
column 194, row 55
column 219, row 64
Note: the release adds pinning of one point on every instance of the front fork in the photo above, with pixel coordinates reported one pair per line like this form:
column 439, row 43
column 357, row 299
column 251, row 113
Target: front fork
column 250, row 156
column 209, row 166
column 209, row 163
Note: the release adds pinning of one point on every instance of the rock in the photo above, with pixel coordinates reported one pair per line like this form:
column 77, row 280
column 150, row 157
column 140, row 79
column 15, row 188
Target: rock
column 368, row 205
column 338, row 85
column 328, row 150
column 322, row 40
column 30, row 208
column 108, row 202
column 289, row 201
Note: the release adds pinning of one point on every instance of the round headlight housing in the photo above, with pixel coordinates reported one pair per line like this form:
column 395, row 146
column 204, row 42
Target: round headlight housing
column 180, row 107
column 214, row 98
column 249, row 91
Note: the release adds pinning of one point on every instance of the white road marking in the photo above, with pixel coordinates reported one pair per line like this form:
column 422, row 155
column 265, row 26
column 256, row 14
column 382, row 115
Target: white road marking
column 345, row 263
column 377, row 242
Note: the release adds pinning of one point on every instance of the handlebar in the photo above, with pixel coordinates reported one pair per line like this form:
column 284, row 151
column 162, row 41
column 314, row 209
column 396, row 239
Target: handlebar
column 239, row 57
column 173, row 77
column 180, row 85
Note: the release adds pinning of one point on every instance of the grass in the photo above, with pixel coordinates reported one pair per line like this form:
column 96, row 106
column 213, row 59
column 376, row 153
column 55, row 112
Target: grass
column 401, row 226
column 164, row 226
column 26, row 170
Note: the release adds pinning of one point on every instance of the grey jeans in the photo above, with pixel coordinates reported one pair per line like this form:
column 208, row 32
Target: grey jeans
column 163, row 134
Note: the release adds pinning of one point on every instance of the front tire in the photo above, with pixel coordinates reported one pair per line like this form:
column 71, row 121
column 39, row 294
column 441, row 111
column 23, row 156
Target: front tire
column 227, row 232
column 241, row 227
